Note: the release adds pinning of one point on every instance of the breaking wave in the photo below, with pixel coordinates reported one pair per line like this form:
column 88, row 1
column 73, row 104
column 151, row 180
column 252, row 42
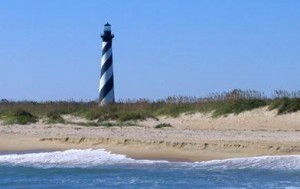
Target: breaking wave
column 94, row 158
column 69, row 158
column 290, row 162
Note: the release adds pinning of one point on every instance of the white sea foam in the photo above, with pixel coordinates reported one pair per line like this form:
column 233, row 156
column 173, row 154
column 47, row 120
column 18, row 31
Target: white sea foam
column 92, row 158
column 291, row 162
column 69, row 158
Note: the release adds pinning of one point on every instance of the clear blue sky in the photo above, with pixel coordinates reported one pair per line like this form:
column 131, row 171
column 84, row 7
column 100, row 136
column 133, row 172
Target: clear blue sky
column 51, row 50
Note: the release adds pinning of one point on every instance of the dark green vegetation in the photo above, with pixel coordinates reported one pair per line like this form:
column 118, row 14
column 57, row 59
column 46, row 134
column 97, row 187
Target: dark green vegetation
column 236, row 101
column 163, row 125
column 54, row 117
column 19, row 116
column 286, row 105
column 104, row 124
column 238, row 106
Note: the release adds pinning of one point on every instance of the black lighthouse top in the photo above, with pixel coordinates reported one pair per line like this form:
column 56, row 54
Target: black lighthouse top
column 107, row 36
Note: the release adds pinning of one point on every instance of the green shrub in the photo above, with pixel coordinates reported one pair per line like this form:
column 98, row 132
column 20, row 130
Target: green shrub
column 92, row 115
column 100, row 114
column 237, row 106
column 131, row 116
column 20, row 117
column 176, row 109
column 88, row 124
column 54, row 117
column 104, row 124
column 162, row 125
column 285, row 105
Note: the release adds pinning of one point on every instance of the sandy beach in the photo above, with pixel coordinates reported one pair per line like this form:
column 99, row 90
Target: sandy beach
column 192, row 137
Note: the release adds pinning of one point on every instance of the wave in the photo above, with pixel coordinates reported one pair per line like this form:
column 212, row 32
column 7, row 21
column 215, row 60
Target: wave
column 288, row 162
column 69, row 159
column 94, row 158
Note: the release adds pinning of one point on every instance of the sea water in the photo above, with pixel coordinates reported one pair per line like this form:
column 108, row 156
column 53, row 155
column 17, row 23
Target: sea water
column 101, row 169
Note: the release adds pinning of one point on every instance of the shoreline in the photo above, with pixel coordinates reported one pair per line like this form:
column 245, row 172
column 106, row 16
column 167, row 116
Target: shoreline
column 193, row 137
column 153, row 151
column 37, row 145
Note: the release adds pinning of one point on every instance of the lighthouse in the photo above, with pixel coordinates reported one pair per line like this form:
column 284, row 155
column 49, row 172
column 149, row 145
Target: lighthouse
column 106, row 88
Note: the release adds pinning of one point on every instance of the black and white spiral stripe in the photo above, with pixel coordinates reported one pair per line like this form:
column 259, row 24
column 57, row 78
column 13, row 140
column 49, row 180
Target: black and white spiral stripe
column 106, row 89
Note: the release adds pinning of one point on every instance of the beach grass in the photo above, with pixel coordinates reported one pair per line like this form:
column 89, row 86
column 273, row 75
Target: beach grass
column 285, row 105
column 219, row 104
column 54, row 117
column 237, row 106
column 162, row 125
column 104, row 123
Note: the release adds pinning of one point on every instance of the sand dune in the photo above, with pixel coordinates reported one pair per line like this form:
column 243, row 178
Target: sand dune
column 193, row 137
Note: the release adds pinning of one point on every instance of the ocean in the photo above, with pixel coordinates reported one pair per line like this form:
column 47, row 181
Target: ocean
column 101, row 169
